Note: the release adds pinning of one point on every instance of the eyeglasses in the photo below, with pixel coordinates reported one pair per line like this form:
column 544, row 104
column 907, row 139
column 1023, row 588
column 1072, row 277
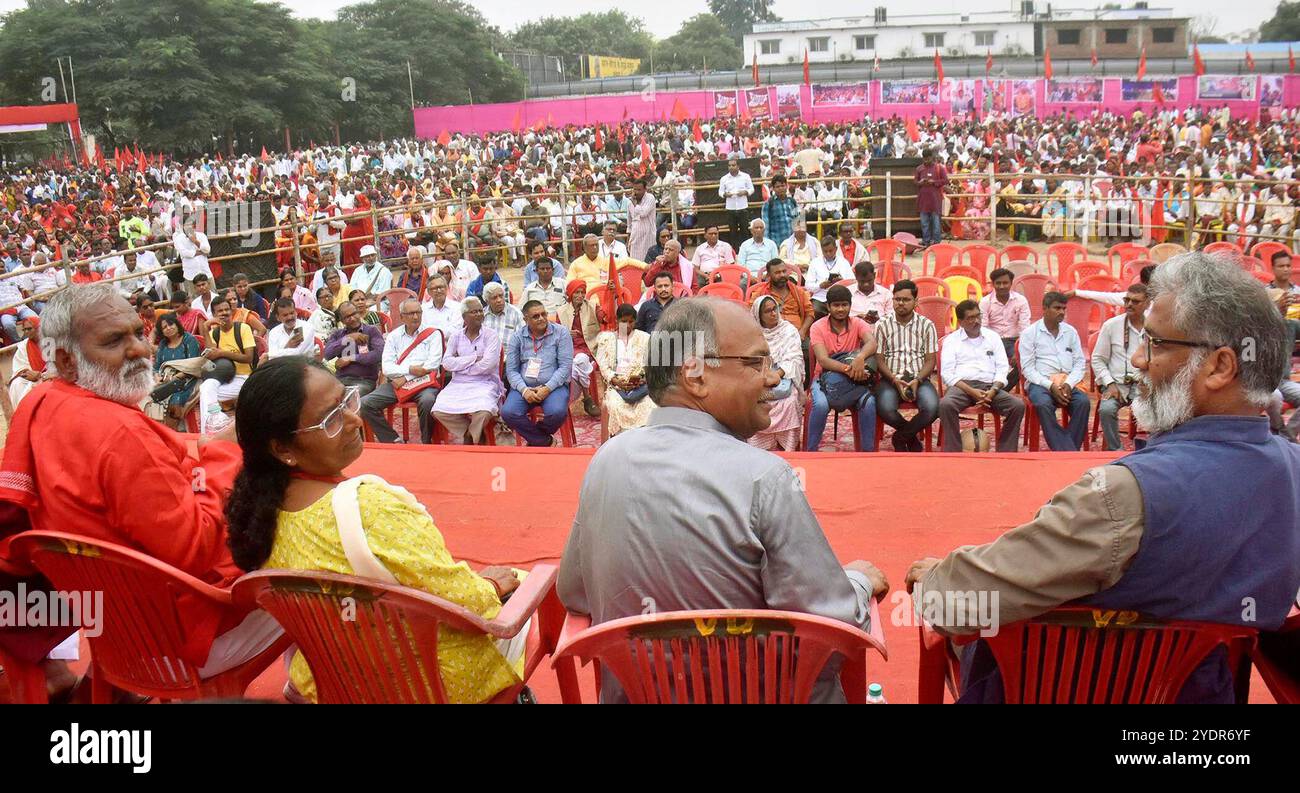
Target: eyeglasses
column 763, row 363
column 332, row 424
column 1155, row 342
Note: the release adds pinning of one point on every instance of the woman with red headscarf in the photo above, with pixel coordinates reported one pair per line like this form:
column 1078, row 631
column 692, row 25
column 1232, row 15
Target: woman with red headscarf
column 30, row 366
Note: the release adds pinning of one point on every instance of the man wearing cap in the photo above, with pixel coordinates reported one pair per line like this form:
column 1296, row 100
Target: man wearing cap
column 371, row 276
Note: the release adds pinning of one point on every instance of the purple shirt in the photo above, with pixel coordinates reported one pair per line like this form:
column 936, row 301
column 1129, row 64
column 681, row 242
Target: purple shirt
column 930, row 181
column 365, row 364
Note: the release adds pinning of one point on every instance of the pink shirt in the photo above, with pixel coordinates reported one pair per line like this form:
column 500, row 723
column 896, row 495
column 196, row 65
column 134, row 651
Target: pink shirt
column 835, row 343
column 880, row 300
column 1009, row 319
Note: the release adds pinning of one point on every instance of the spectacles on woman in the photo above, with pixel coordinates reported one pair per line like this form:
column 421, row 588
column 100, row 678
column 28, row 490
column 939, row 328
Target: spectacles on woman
column 332, row 424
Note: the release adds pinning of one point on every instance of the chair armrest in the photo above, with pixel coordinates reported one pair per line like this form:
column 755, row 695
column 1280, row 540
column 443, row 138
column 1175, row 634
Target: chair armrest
column 566, row 668
column 524, row 602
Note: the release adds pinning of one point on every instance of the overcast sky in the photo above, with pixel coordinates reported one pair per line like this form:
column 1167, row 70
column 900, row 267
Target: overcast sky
column 663, row 17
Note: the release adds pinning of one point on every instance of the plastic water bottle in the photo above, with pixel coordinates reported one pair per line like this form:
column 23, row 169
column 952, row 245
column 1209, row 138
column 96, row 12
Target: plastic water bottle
column 876, row 695
column 217, row 421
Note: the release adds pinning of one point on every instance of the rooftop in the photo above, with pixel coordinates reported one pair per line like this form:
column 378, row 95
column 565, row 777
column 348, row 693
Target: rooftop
column 1043, row 12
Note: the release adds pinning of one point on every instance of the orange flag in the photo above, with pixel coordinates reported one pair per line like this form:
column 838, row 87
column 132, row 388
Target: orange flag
column 514, row 127
column 697, row 134
column 265, row 157
column 1198, row 65
column 1250, row 61
column 679, row 111
column 600, row 139
column 1290, row 58
column 1142, row 64
column 1094, row 56
column 1157, row 93
column 755, row 68
column 913, row 134
column 1047, row 62
column 807, row 80
column 444, row 138
column 938, row 65
column 988, row 62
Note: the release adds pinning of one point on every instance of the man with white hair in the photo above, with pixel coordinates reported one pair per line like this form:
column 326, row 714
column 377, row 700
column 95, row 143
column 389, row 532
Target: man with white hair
column 81, row 456
column 757, row 251
column 1163, row 531
column 413, row 365
column 503, row 318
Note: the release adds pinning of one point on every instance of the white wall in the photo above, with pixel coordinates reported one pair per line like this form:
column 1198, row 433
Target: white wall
column 890, row 42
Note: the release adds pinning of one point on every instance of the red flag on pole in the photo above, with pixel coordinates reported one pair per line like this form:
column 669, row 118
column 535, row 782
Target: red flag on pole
column 600, row 138
column 1157, row 93
column 1142, row 64
column 265, row 157
column 99, row 158
column 755, row 68
column 679, row 111
column 1290, row 58
column 807, row 79
column 988, row 63
column 697, row 134
column 1094, row 56
column 1047, row 62
column 1250, row 61
column 1198, row 65
column 875, row 67
column 609, row 300
column 938, row 65
column 444, row 138
column 913, row 134
column 515, row 127
column 645, row 150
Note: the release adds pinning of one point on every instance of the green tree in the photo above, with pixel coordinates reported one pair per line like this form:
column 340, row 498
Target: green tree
column 1285, row 24
column 607, row 33
column 701, row 41
column 739, row 16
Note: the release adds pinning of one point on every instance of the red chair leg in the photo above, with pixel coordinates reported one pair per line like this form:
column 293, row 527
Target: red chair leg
column 26, row 681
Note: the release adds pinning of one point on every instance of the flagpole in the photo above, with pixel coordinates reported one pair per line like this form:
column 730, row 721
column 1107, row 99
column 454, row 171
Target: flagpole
column 72, row 78
column 410, row 81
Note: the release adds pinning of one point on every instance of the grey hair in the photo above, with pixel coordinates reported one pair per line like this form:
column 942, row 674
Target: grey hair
column 494, row 288
column 1217, row 302
column 60, row 314
column 687, row 330
column 416, row 249
column 407, row 301
column 470, row 303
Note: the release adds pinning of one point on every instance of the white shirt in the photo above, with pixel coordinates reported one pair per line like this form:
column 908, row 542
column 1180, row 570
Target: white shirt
column 464, row 270
column 1111, row 360
column 137, row 279
column 375, row 280
column 194, row 258
column 447, row 319
column 277, row 340
column 46, row 280
column 1042, row 354
column 982, row 359
column 427, row 354
column 204, row 309
column 734, row 184
column 617, row 246
column 820, row 270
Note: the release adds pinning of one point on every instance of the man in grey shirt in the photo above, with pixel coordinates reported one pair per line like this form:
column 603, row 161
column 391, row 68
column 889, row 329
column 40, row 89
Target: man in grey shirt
column 653, row 534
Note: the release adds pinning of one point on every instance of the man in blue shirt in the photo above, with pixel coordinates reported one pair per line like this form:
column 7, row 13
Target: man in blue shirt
column 537, row 253
column 539, row 363
column 487, row 273
column 780, row 211
column 1052, row 363
column 757, row 251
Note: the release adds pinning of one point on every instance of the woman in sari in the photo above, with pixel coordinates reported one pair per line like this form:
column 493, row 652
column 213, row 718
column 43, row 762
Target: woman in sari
column 976, row 227
column 173, row 343
column 786, row 351
column 291, row 506
column 621, row 357
column 29, row 364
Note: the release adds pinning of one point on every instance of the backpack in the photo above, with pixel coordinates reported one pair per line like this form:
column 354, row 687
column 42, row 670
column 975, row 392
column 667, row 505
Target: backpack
column 258, row 344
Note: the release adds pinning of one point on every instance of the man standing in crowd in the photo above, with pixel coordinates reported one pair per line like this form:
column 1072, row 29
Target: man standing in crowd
column 641, row 221
column 1052, row 360
column 974, row 372
column 931, row 179
column 412, row 361
column 734, row 188
column 780, row 210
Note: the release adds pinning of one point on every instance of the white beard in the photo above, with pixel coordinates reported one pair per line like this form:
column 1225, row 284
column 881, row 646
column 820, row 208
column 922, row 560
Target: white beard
column 1164, row 407
column 128, row 385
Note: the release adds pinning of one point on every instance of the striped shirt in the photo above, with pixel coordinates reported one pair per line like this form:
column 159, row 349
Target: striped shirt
column 905, row 346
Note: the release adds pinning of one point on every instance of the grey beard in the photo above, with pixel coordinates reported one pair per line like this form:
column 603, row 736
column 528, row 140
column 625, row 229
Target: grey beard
column 127, row 386
column 1162, row 408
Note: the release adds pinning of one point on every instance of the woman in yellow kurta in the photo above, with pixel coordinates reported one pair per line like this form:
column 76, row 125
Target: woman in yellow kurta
column 292, row 509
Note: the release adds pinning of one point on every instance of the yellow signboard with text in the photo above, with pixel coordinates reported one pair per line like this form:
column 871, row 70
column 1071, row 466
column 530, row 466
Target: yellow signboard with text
column 610, row 66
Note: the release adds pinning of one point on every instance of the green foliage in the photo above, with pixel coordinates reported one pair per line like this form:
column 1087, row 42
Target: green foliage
column 1285, row 24
column 702, row 40
column 607, row 33
column 739, row 16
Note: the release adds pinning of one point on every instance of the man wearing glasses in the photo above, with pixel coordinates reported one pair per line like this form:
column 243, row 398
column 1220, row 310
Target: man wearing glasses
column 1052, row 362
column 412, row 364
column 1112, row 361
column 539, row 363
column 1199, row 525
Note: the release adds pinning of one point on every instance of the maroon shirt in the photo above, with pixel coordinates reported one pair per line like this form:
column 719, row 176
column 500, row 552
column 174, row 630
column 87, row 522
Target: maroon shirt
column 929, row 197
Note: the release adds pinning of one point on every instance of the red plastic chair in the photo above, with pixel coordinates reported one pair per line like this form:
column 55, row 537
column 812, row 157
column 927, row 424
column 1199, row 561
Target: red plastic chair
column 1264, row 252
column 1086, row 316
column 888, row 273
column 1017, row 253
column 631, row 279
column 394, row 297
column 853, row 417
column 979, row 257
column 1253, row 264
column 1125, row 252
column 595, row 296
column 1284, row 687
column 1081, row 270
column 395, row 629
column 724, row 656
column 963, row 270
column 936, row 257
column 885, row 251
column 568, row 435
column 973, row 411
column 939, row 310
column 726, row 291
column 1061, row 256
column 1077, row 655
column 929, row 286
column 731, row 274
column 1228, row 248
column 1133, row 271
column 1034, row 286
column 910, row 242
column 143, row 637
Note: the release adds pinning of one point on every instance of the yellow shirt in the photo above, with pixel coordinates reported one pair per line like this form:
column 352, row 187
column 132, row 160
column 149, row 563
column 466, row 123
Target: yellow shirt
column 226, row 341
column 596, row 271
column 409, row 545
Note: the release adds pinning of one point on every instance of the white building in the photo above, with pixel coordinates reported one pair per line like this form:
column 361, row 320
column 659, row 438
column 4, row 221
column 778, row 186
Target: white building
column 888, row 36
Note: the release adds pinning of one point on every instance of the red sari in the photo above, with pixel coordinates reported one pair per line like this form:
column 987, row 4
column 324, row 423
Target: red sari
column 360, row 231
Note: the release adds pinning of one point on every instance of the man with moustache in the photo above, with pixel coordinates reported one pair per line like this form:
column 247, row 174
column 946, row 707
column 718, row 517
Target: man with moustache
column 1163, row 531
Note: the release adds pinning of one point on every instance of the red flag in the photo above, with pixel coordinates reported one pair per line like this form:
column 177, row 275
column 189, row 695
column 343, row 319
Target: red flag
column 1198, row 65
column 913, row 134
column 645, row 150
column 1142, row 64
column 600, row 138
column 444, row 138
column 988, row 62
column 938, row 65
column 99, row 158
column 1094, row 56
column 1290, row 58
column 515, row 127
column 807, row 80
column 679, row 111
column 1157, row 93
column 622, row 134
column 697, row 134
column 755, row 68
column 1250, row 61
column 265, row 157
column 625, row 112
column 875, row 67
column 609, row 301
column 539, row 125
column 1047, row 62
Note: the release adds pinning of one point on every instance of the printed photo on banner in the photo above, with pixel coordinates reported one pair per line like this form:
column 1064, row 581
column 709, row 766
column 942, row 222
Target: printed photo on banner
column 960, row 96
column 909, row 92
column 1236, row 87
column 1023, row 97
column 1074, row 89
column 1145, row 90
column 724, row 104
column 1270, row 90
column 846, row 95
column 787, row 101
column 757, row 103
column 994, row 97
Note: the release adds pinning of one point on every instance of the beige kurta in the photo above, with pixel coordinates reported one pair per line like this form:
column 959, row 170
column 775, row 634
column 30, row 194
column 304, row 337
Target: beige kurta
column 621, row 414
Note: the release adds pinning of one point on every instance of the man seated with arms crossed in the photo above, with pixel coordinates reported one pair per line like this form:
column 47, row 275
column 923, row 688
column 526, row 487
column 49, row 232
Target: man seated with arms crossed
column 1165, row 531
column 906, row 346
column 412, row 359
column 1112, row 367
column 290, row 336
column 1007, row 314
column 81, row 456
column 357, row 349
column 835, row 338
column 973, row 365
column 233, row 341
column 871, row 300
column 1052, row 360
column 539, row 363
column 745, row 538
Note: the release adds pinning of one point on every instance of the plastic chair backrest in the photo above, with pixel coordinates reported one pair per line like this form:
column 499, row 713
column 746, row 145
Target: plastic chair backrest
column 962, row 288
column 727, row 656
column 1165, row 251
column 1253, row 264
column 1018, row 253
column 962, row 270
column 727, row 291
column 394, row 298
column 885, row 250
column 1081, row 270
column 1033, row 286
column 937, row 257
column 631, row 278
column 1264, row 252
column 1133, row 271
column 978, row 257
column 910, row 242
column 1095, row 656
column 929, row 286
column 939, row 310
column 730, row 274
column 889, row 272
column 622, row 296
column 1124, row 252
column 1223, row 247
column 1061, row 255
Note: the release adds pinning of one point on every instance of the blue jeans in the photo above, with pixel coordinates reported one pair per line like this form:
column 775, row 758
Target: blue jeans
column 1058, row 438
column 927, row 409
column 866, row 408
column 555, row 409
column 930, row 231
column 10, row 321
